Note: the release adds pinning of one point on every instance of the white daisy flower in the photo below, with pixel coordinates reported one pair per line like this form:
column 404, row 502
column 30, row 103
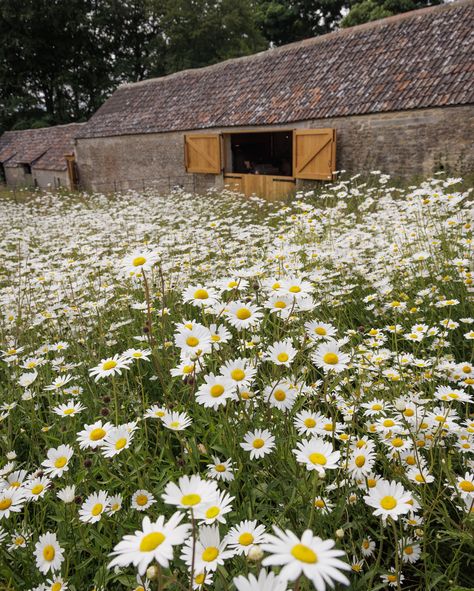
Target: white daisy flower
column 94, row 506
column 259, row 443
column 48, row 553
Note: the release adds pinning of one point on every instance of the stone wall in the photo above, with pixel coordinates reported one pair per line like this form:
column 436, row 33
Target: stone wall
column 403, row 144
column 44, row 179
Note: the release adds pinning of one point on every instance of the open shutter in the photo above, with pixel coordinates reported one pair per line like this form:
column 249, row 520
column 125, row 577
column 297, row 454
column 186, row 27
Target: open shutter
column 202, row 153
column 314, row 153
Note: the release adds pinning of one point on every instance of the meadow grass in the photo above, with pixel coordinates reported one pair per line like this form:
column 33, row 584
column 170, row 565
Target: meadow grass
column 153, row 335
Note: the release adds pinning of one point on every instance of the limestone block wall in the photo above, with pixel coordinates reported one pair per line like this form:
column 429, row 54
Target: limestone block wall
column 404, row 144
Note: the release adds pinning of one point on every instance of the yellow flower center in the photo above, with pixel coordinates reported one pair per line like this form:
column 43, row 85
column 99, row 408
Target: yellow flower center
column 408, row 550
column 397, row 442
column 56, row 586
column 408, row 412
column 279, row 395
column 388, row 502
column 37, row 489
column 280, row 305
column 360, row 461
column 49, row 553
column 97, row 434
column 69, row 411
column 467, row 369
column 331, row 358
column 138, row 261
column 97, row 509
column 190, row 500
column 201, row 294
column 237, row 375
column 220, row 468
column 141, row 500
column 388, row 423
column 199, row 579
column 151, row 541
column 210, row 554
column 377, row 406
column 258, row 443
column 309, row 422
column 243, row 313
column 319, row 503
column 5, row 504
column 60, row 462
column 121, row 443
column 109, row 365
column 192, row 341
column 232, row 284
column 282, row 357
column 317, row 458
column 391, row 578
column 215, row 338
column 304, row 554
column 466, row 486
column 212, row 512
column 295, row 289
column 217, row 390
column 321, row 331
column 188, row 368
column 246, row 539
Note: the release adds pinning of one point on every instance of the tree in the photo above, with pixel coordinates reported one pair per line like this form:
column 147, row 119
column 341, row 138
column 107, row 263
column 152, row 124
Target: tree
column 363, row 11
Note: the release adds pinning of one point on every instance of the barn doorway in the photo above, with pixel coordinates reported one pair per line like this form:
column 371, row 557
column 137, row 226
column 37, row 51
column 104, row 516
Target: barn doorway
column 262, row 153
column 259, row 163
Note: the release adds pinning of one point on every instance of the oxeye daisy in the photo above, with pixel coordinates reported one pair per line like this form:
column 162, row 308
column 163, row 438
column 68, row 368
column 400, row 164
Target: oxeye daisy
column 36, row 488
column 69, row 409
column 239, row 371
column 267, row 581
column 92, row 436
column 138, row 261
column 465, row 485
column 109, row 366
column 323, row 505
column 389, row 499
column 154, row 541
column 215, row 391
column 242, row 537
column 116, row 440
column 142, row 499
column 201, row 296
column 259, row 443
column 295, row 288
column 58, row 383
column 11, row 501
column 329, row 357
column 280, row 395
column 367, row 547
column 220, row 470
column 193, row 340
column 317, row 454
column 191, row 492
column 48, row 553
column 310, row 555
column 219, row 335
column 209, row 551
column 319, row 331
column 56, row 584
column 281, row 305
column 19, row 539
column 155, row 412
column 307, row 422
column 58, row 460
column 281, row 353
column 176, row 421
column 361, row 463
column 93, row 507
column 243, row 315
column 114, row 505
column 409, row 550
column 215, row 511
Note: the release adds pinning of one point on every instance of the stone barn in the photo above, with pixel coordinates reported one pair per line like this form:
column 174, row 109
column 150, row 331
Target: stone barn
column 394, row 95
column 41, row 157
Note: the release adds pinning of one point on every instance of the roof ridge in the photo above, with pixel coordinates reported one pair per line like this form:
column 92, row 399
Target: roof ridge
column 48, row 127
column 448, row 5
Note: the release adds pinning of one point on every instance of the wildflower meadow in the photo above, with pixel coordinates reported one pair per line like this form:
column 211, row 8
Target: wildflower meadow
column 218, row 393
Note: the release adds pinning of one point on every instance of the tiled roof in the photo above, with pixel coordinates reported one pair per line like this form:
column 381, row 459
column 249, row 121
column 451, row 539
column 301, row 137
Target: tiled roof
column 418, row 59
column 43, row 148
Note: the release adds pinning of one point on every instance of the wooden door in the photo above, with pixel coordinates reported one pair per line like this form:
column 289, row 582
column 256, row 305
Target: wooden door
column 314, row 153
column 202, row 153
column 72, row 172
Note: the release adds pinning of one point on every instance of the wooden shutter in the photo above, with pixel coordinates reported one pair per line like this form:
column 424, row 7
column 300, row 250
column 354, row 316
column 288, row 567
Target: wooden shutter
column 202, row 153
column 314, row 153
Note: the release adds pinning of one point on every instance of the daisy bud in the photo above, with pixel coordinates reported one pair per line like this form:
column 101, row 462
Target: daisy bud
column 255, row 554
column 202, row 448
column 322, row 473
column 400, row 405
column 256, row 339
column 419, row 532
column 152, row 572
column 339, row 533
column 11, row 455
